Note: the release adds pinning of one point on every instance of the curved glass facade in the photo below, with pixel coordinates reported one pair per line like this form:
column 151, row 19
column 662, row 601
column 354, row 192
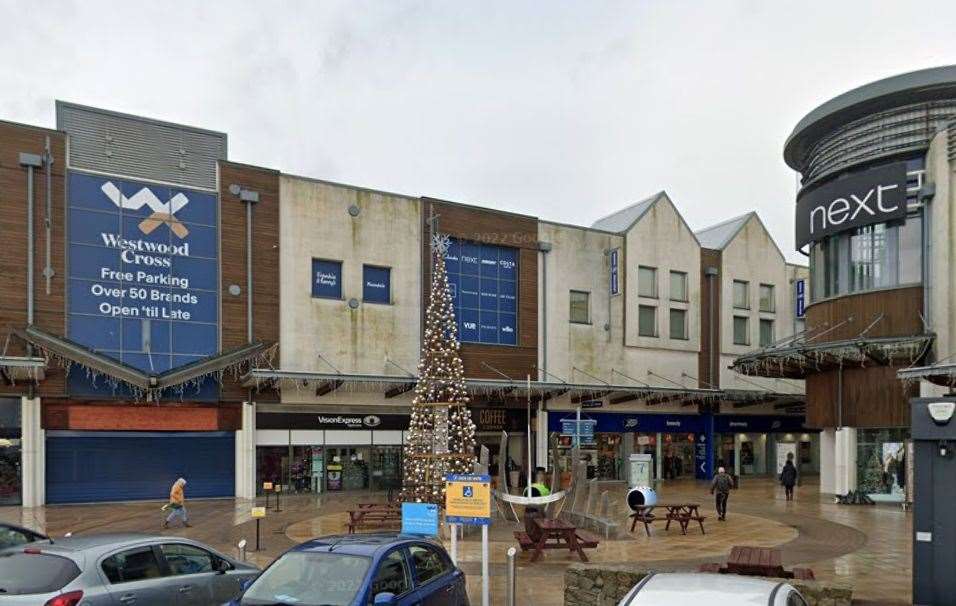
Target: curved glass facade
column 871, row 257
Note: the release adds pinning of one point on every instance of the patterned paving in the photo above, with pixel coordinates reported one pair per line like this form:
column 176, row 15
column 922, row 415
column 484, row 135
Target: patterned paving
column 866, row 548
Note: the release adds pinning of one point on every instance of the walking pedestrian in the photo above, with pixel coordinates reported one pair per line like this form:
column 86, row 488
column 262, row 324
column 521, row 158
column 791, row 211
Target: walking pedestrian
column 721, row 487
column 788, row 477
column 177, row 504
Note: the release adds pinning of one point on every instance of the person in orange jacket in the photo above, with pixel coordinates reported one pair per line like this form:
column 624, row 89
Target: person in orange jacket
column 177, row 504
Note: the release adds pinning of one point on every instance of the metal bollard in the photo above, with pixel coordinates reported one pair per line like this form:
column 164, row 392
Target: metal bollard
column 512, row 584
column 242, row 550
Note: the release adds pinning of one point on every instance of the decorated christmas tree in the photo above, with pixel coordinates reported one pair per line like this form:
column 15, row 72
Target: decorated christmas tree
column 441, row 434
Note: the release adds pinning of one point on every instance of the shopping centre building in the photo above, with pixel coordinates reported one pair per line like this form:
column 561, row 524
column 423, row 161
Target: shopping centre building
column 170, row 312
column 875, row 216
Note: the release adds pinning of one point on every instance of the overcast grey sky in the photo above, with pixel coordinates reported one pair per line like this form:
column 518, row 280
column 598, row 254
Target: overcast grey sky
column 564, row 110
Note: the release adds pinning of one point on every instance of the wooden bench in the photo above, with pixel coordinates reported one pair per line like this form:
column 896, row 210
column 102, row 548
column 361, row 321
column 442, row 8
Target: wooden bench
column 524, row 541
column 712, row 567
column 758, row 561
column 587, row 540
column 646, row 517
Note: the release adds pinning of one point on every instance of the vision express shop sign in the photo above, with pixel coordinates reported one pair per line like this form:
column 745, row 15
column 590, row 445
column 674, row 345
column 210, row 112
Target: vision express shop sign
column 861, row 198
column 299, row 420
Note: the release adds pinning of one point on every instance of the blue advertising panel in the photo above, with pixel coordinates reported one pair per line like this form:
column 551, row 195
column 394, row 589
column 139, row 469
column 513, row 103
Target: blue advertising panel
column 483, row 279
column 760, row 424
column 704, row 450
column 801, row 286
column 585, row 432
column 615, row 286
column 143, row 277
column 376, row 284
column 612, row 422
column 326, row 279
column 420, row 518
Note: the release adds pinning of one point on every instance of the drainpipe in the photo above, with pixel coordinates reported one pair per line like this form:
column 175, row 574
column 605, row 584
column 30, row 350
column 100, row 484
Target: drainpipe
column 544, row 248
column 48, row 219
column 926, row 194
column 30, row 162
column 712, row 273
column 249, row 198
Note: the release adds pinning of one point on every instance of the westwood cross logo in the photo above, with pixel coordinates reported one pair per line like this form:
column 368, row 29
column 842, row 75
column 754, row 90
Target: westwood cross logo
column 163, row 212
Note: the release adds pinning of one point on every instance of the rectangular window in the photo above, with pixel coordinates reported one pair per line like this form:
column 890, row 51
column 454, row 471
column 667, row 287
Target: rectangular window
column 483, row 280
column 580, row 307
column 678, row 323
column 376, row 284
column 766, row 333
column 678, row 286
column 911, row 250
column 647, row 320
column 741, row 294
column 326, row 279
column 647, row 282
column 741, row 330
column 766, row 298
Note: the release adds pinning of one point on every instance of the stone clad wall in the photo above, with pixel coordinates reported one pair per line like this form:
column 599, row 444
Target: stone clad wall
column 593, row 585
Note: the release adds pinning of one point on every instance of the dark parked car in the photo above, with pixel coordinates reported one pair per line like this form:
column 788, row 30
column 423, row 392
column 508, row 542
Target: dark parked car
column 11, row 536
column 119, row 570
column 360, row 569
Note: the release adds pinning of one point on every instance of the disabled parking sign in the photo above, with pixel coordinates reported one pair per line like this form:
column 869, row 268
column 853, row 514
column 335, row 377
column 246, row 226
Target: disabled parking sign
column 468, row 499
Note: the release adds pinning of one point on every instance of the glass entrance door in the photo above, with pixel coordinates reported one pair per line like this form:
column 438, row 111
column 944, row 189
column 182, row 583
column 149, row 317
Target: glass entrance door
column 10, row 450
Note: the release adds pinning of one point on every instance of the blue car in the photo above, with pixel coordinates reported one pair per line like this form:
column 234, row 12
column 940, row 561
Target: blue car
column 360, row 570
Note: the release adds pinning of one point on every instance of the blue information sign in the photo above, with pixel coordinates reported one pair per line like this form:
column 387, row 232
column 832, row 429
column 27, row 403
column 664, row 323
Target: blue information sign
column 326, row 279
column 376, row 284
column 420, row 518
column 483, row 279
column 143, row 277
column 584, row 431
column 801, row 286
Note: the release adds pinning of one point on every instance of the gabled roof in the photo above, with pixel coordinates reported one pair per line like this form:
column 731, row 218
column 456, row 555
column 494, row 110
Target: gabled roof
column 623, row 219
column 717, row 237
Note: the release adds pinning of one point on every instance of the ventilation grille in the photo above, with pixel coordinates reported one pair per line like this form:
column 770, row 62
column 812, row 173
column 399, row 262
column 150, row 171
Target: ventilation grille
column 119, row 144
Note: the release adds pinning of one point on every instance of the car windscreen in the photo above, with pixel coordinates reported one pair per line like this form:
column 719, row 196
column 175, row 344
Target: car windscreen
column 309, row 579
column 31, row 573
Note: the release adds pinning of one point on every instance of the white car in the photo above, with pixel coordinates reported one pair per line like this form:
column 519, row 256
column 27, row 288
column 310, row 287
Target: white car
column 693, row 589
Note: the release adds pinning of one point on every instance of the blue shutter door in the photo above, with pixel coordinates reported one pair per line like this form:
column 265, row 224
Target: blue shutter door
column 87, row 467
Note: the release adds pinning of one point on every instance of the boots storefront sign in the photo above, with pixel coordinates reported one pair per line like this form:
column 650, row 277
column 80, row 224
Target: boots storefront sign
column 876, row 195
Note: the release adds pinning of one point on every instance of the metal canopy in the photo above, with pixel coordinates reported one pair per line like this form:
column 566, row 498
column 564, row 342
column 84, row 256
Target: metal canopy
column 70, row 353
column 390, row 385
column 19, row 368
column 939, row 373
column 798, row 360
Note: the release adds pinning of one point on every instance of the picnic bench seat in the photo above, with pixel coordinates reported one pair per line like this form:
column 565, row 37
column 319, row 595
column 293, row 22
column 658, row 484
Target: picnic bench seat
column 646, row 517
column 586, row 539
column 758, row 561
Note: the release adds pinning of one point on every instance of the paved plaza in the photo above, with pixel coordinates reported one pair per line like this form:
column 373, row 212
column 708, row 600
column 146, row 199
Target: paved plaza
column 866, row 548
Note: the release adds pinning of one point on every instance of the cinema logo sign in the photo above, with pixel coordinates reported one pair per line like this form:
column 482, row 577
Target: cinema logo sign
column 873, row 196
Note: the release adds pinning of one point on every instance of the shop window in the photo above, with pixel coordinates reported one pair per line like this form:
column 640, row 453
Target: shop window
column 326, row 279
column 647, row 282
column 741, row 330
column 376, row 284
column 10, row 451
column 580, row 307
column 767, row 303
column 678, row 323
column 678, row 286
column 646, row 320
column 881, row 461
column 741, row 294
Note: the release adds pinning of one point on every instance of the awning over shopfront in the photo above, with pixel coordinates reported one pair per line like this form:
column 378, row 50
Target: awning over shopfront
column 67, row 354
column 941, row 373
column 795, row 359
column 321, row 383
column 15, row 369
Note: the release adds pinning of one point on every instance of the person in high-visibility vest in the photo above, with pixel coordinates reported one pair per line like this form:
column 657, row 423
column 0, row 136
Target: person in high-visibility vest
column 540, row 488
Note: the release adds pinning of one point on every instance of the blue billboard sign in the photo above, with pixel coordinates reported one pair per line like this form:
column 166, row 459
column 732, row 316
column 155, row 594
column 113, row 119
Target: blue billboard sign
column 376, row 284
column 143, row 277
column 326, row 279
column 583, row 431
column 483, row 279
column 615, row 272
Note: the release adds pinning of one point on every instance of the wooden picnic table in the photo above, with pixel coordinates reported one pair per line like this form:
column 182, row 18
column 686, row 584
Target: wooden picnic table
column 682, row 513
column 757, row 561
column 557, row 534
column 375, row 515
